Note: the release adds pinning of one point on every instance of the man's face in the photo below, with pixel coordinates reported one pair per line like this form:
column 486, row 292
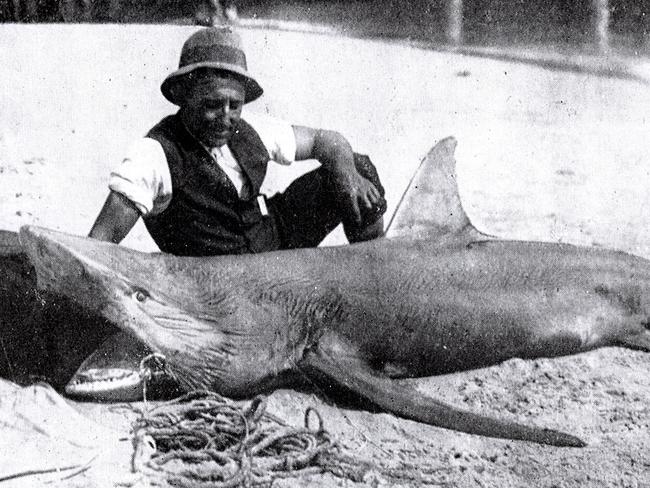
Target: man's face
column 212, row 107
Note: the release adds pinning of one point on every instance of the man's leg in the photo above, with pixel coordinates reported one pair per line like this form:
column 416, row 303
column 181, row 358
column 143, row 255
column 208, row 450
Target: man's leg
column 372, row 220
column 365, row 233
column 309, row 209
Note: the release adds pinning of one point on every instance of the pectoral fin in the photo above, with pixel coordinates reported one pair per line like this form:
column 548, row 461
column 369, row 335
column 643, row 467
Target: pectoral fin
column 340, row 362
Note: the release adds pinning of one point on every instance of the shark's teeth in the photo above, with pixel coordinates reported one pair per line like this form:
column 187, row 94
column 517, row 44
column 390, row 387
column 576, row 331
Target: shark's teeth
column 104, row 374
column 103, row 380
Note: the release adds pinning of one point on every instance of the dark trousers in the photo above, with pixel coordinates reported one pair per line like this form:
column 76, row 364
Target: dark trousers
column 310, row 208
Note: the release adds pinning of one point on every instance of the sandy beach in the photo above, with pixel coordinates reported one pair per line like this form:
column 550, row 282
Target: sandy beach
column 542, row 155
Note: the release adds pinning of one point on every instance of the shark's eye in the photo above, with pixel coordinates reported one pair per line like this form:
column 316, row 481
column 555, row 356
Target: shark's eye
column 140, row 295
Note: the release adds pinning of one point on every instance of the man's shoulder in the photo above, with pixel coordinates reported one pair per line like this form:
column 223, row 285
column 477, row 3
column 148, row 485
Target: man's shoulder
column 264, row 123
column 166, row 125
column 276, row 134
column 146, row 151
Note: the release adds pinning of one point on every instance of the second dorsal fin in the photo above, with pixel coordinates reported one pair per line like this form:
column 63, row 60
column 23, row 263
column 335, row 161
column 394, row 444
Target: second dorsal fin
column 431, row 207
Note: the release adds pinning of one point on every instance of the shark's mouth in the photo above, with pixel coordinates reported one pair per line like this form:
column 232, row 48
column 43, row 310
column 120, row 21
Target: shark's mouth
column 126, row 383
column 106, row 384
column 121, row 369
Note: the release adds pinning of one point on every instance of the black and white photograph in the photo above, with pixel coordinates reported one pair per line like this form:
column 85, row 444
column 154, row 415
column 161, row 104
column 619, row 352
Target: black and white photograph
column 324, row 243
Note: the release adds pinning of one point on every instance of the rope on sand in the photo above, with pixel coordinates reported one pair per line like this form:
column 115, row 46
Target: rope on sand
column 203, row 439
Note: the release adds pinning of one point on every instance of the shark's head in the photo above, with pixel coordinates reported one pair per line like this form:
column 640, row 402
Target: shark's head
column 102, row 277
column 138, row 292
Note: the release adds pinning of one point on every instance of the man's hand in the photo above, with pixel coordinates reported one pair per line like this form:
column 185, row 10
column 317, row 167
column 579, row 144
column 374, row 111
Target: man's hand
column 356, row 193
column 334, row 152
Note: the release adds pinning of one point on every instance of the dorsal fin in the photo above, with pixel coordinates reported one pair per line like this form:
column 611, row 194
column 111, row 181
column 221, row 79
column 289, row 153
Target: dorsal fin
column 431, row 207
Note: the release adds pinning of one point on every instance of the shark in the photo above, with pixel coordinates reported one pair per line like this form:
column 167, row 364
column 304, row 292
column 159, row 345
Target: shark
column 435, row 295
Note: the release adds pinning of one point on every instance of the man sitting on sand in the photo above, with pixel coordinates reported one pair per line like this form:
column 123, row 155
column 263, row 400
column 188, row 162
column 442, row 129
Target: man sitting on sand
column 196, row 177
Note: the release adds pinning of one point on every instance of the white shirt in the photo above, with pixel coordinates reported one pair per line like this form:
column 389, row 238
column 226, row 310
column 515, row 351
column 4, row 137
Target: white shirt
column 144, row 178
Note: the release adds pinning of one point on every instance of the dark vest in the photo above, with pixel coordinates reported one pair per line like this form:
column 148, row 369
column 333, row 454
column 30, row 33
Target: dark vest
column 206, row 215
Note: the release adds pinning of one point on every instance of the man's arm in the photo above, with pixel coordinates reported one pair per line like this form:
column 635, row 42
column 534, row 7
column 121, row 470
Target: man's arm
column 334, row 152
column 116, row 218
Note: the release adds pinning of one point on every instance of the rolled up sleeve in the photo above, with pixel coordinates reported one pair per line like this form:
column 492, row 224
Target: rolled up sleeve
column 277, row 135
column 143, row 177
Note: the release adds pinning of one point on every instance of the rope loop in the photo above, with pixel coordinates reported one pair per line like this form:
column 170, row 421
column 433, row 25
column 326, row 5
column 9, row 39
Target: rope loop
column 321, row 425
column 203, row 439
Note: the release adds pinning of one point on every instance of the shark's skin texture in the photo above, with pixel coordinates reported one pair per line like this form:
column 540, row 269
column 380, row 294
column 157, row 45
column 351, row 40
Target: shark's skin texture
column 43, row 337
column 435, row 296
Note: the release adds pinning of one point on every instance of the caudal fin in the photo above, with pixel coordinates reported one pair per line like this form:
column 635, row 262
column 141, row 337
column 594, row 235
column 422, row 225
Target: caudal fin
column 431, row 206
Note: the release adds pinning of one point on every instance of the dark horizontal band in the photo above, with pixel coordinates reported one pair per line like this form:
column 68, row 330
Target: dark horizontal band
column 215, row 53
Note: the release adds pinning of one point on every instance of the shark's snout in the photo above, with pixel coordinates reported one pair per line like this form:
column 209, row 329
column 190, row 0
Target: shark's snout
column 62, row 266
column 70, row 265
column 52, row 261
column 109, row 280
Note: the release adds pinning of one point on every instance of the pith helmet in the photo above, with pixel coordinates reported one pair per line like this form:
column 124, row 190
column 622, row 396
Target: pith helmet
column 213, row 47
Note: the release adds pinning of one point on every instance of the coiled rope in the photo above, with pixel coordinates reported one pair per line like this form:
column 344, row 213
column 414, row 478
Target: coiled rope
column 203, row 439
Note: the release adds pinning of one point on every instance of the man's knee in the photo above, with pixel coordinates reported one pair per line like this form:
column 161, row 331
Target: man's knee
column 309, row 209
column 372, row 221
column 359, row 233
